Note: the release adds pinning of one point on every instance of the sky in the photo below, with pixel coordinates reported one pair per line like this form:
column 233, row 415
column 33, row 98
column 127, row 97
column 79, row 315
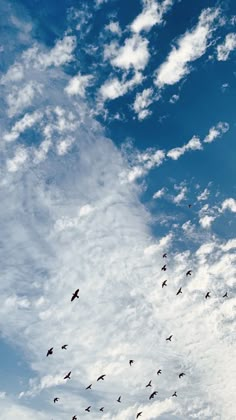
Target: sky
column 117, row 145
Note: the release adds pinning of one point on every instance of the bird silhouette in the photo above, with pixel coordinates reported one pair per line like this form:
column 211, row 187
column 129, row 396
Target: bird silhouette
column 181, row 375
column 101, row 409
column 189, row 272
column 169, row 338
column 164, row 283
column 164, row 255
column 88, row 409
column 189, row 206
column 101, row 378
column 64, row 347
column 55, row 400
column 164, row 268
column 179, row 291
column 139, row 415
column 119, row 399
column 74, row 418
column 225, row 295
column 153, row 395
column 130, row 362
column 207, row 295
column 89, row 387
column 68, row 375
column 50, row 351
column 159, row 372
column 174, row 395
column 149, row 384
column 75, row 295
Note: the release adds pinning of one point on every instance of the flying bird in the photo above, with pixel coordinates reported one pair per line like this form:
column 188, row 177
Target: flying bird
column 174, row 395
column 190, row 205
column 189, row 272
column 68, row 375
column 75, row 295
column 50, row 351
column 159, row 372
column 179, row 291
column 169, row 338
column 88, row 409
column 139, row 415
column 181, row 375
column 101, row 378
column 149, row 384
column 164, row 255
column 119, row 399
column 164, row 268
column 89, row 387
column 130, row 362
column 164, row 283
column 101, row 409
column 207, row 295
column 74, row 418
column 55, row 400
column 225, row 295
column 64, row 347
column 153, row 395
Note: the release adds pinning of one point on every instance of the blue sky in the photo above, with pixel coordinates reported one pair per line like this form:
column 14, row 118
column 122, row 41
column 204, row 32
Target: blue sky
column 115, row 117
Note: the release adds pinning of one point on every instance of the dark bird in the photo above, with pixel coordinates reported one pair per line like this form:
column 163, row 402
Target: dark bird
column 164, row 283
column 75, row 295
column 181, row 375
column 64, row 347
column 55, row 400
column 159, row 372
column 130, row 362
column 149, row 384
column 101, row 378
column 225, row 295
column 164, row 268
column 139, row 415
column 89, row 387
column 164, row 255
column 207, row 295
column 101, row 409
column 74, row 418
column 190, row 205
column 179, row 291
column 88, row 409
column 50, row 351
column 119, row 399
column 189, row 272
column 169, row 338
column 68, row 375
column 153, row 395
column 174, row 395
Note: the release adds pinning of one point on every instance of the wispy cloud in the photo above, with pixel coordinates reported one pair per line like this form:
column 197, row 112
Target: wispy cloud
column 216, row 131
column 229, row 45
column 152, row 14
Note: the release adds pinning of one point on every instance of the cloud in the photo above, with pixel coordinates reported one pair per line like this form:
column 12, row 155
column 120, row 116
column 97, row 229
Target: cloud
column 133, row 54
column 28, row 121
column 20, row 158
column 142, row 102
column 181, row 196
column 114, row 27
column 206, row 221
column 229, row 45
column 142, row 163
column 114, row 88
column 204, row 195
column 159, row 193
column 77, row 85
column 151, row 15
column 216, row 131
column 229, row 204
column 19, row 99
column 190, row 46
column 193, row 144
column 174, row 99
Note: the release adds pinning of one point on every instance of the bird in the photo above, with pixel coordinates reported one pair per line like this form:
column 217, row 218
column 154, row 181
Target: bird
column 179, row 291
column 89, row 387
column 181, row 375
column 130, row 362
column 139, row 414
column 149, row 384
column 152, row 395
column 174, row 395
column 64, row 347
column 225, row 295
column 190, row 205
column 169, row 338
column 189, row 272
column 164, row 268
column 119, row 399
column 101, row 378
column 74, row 418
column 207, row 295
column 159, row 372
column 101, row 409
column 55, row 400
column 88, row 409
column 50, row 351
column 164, row 255
column 75, row 295
column 68, row 375
column 164, row 283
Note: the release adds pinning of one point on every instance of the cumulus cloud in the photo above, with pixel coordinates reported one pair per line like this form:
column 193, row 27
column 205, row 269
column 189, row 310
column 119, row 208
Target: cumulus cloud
column 229, row 204
column 143, row 163
column 133, row 54
column 193, row 144
column 77, row 85
column 190, row 46
column 206, row 221
column 204, row 195
column 19, row 99
column 159, row 193
column 21, row 156
column 28, row 121
column 216, row 131
column 114, row 27
column 181, row 196
column 114, row 88
column 152, row 14
column 142, row 102
column 229, row 45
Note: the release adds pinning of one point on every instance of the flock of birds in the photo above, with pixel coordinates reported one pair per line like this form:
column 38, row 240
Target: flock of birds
column 75, row 295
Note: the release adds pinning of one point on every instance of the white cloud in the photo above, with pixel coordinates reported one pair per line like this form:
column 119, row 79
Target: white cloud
column 162, row 246
column 206, row 221
column 23, row 124
column 193, row 144
column 204, row 195
column 115, row 88
column 181, row 196
column 151, row 15
column 133, row 54
column 142, row 102
column 159, row 193
column 174, row 98
column 229, row 204
column 14, row 74
column 229, row 45
column 190, row 46
column 21, row 156
column 143, row 163
column 77, row 85
column 114, row 28
column 216, row 131
column 19, row 99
